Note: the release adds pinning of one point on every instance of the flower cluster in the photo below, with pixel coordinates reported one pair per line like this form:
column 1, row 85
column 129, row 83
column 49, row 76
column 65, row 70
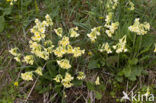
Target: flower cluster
column 59, row 31
column 39, row 47
column 39, row 71
column 65, row 48
column 108, row 18
column 16, row 54
column 11, row 1
column 121, row 46
column 110, row 25
column 105, row 48
column 29, row 59
column 64, row 63
column 81, row 76
column 94, row 33
column 39, row 34
column 131, row 4
column 39, row 29
column 29, row 75
column 111, row 28
column 58, row 78
column 73, row 32
column 139, row 28
column 66, row 81
column 112, row 4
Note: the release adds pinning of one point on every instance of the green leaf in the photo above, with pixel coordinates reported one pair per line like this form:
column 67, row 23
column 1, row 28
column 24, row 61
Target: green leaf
column 93, row 64
column 98, row 95
column 112, row 60
column 2, row 23
column 45, row 89
column 101, row 87
column 133, row 61
column 57, row 88
column 132, row 72
column 51, row 69
column 7, row 11
column 77, row 82
column 127, row 72
column 90, row 86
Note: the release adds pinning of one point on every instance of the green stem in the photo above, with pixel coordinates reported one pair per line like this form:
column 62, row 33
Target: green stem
column 134, row 40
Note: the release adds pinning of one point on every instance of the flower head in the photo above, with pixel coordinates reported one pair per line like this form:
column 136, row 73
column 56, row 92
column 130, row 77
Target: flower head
column 94, row 33
column 97, row 82
column 67, row 81
column 73, row 32
column 121, row 46
column 58, row 78
column 29, row 59
column 59, row 31
column 105, row 47
column 81, row 76
column 64, row 63
column 139, row 28
column 27, row 76
column 39, row 71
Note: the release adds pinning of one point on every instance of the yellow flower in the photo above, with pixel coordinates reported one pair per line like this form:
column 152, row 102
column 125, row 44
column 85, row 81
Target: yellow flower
column 73, row 32
column 17, row 58
column 67, row 81
column 64, row 63
column 81, row 76
column 131, row 5
column 44, row 55
column 97, row 82
column 105, row 47
column 17, row 55
column 64, row 42
column 59, row 51
column 94, row 33
column 16, row 84
column 39, row 71
column 67, row 84
column 58, row 78
column 108, row 18
column 35, row 46
column 11, row 1
column 29, row 59
column 121, row 46
column 27, row 76
column 112, row 28
column 77, row 52
column 49, row 20
column 13, row 51
column 139, row 28
column 70, row 49
column 59, row 31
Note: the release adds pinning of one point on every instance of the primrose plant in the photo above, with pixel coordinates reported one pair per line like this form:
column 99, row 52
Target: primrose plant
column 43, row 49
